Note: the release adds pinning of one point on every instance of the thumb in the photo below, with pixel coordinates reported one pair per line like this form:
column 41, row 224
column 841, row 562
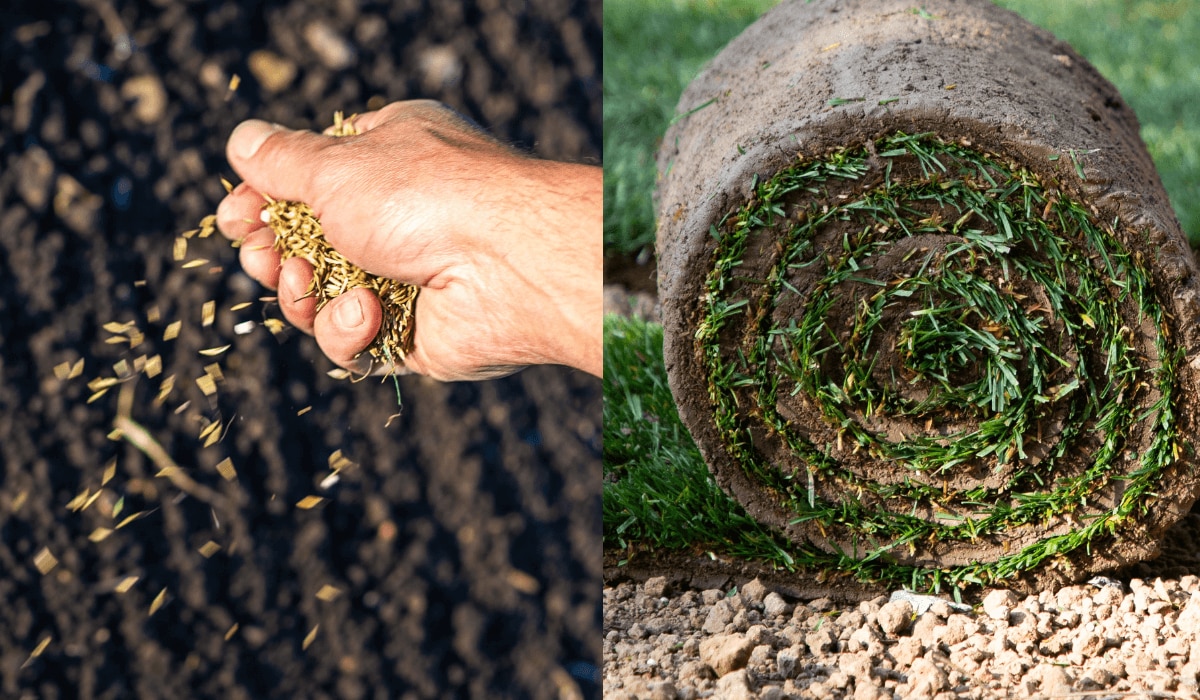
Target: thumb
column 275, row 160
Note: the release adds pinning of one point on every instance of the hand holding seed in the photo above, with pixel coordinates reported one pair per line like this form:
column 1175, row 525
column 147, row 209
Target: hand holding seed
column 505, row 248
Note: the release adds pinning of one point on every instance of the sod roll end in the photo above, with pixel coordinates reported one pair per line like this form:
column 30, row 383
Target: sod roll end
column 927, row 308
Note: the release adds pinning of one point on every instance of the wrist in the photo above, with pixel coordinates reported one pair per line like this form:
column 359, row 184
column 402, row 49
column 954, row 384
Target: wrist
column 566, row 263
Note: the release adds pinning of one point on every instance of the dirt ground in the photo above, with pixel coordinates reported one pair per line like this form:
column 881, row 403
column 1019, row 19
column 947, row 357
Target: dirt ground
column 464, row 547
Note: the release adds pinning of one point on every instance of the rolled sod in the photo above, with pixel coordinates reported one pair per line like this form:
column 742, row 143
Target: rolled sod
column 927, row 309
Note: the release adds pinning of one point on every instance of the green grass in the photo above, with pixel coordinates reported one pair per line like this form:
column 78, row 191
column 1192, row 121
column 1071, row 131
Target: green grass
column 652, row 50
column 657, row 491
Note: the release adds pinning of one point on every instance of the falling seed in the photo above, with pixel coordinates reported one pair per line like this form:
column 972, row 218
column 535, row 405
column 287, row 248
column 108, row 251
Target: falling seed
column 99, row 534
column 180, row 251
column 208, row 429
column 304, row 410
column 91, row 499
column 76, row 503
column 153, row 315
column 182, row 407
column 311, row 636
column 172, row 330
column 309, row 502
column 76, row 369
column 329, row 593
column 232, row 631
column 227, row 185
column 164, row 389
column 45, row 561
column 268, row 300
column 338, row 373
column 37, row 651
column 208, row 225
column 274, row 325
column 136, row 516
column 19, row 501
column 158, row 601
column 115, row 327
column 225, row 469
column 239, row 307
column 121, row 368
column 110, row 470
column 115, row 435
column 209, row 548
column 116, row 340
column 234, row 82
column 213, row 352
column 214, row 370
column 213, row 437
column 244, row 327
column 125, row 584
column 97, row 395
column 153, row 366
column 118, row 507
column 136, row 338
column 208, row 312
column 194, row 263
column 339, row 461
column 62, row 371
column 102, row 383
column 207, row 385
column 329, row 481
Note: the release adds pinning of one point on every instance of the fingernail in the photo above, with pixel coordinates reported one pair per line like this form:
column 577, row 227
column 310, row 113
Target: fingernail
column 349, row 314
column 249, row 136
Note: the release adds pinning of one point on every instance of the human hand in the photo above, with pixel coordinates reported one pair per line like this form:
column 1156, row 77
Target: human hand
column 506, row 248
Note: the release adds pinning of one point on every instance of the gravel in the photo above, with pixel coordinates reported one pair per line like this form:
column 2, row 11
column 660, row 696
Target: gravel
column 1104, row 639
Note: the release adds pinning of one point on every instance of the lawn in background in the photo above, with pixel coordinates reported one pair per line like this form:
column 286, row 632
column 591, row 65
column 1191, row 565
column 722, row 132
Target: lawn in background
column 657, row 491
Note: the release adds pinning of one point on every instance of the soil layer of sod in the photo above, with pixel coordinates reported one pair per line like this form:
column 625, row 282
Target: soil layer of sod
column 927, row 308
column 462, row 553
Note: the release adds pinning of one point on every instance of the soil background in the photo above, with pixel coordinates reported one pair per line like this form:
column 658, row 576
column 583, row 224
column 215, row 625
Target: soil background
column 466, row 541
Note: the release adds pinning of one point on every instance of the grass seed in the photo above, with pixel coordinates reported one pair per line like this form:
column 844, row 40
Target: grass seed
column 308, row 639
column 125, row 584
column 45, row 561
column 309, row 502
column 226, row 470
column 158, row 601
column 209, row 548
column 329, row 593
column 298, row 233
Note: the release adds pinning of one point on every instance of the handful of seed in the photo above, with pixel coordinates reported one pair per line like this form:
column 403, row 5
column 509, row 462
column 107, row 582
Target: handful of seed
column 298, row 233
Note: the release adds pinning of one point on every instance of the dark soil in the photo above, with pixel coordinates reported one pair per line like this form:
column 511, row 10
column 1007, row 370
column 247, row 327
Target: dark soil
column 811, row 77
column 465, row 544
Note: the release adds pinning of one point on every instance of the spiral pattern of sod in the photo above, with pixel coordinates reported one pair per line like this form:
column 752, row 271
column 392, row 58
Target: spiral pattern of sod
column 916, row 348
